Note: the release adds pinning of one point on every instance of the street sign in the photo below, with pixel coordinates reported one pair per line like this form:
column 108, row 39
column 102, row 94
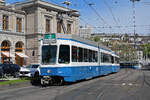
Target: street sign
column 49, row 38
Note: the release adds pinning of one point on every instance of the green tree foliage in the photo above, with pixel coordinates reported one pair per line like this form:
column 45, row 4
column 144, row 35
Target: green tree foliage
column 146, row 50
column 125, row 50
column 127, row 53
column 126, row 38
column 96, row 38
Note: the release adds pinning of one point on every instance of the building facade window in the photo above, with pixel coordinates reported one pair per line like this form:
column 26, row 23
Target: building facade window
column 19, row 47
column 19, row 24
column 68, row 28
column 47, row 25
column 5, row 46
column 58, row 27
column 19, row 60
column 5, row 22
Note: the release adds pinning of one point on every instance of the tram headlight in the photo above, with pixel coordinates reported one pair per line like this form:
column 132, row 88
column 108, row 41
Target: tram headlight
column 48, row 71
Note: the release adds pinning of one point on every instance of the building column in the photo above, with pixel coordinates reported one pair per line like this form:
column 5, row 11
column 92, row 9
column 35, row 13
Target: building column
column 12, row 51
column 39, row 50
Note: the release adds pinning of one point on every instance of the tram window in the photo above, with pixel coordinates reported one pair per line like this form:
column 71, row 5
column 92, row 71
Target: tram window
column 49, row 54
column 105, row 58
column 64, row 54
column 116, row 60
column 80, row 54
column 94, row 56
column 74, row 54
column 86, row 52
column 109, row 58
column 112, row 59
column 90, row 56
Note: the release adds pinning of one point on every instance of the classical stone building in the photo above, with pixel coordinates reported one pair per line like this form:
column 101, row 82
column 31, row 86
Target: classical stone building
column 12, row 35
column 27, row 22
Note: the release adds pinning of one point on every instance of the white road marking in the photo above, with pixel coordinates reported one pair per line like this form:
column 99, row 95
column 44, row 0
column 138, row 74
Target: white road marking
column 130, row 84
column 123, row 84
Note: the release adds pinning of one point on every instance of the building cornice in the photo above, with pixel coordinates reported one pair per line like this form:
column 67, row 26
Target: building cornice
column 7, row 8
column 43, row 4
column 12, row 33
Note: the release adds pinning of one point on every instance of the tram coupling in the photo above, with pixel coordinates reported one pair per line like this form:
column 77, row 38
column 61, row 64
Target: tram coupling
column 52, row 80
column 46, row 80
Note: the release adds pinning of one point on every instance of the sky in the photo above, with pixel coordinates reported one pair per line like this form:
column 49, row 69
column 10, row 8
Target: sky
column 110, row 16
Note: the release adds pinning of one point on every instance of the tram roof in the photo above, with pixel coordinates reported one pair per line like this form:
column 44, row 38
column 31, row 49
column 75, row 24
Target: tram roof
column 80, row 39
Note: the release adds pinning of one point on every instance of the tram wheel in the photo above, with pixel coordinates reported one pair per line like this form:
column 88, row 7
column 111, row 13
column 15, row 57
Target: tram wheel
column 59, row 81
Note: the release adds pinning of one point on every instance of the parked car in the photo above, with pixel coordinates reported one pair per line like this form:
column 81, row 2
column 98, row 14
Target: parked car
column 1, row 71
column 29, row 71
column 10, row 69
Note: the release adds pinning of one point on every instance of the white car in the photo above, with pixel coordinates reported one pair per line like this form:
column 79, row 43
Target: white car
column 31, row 70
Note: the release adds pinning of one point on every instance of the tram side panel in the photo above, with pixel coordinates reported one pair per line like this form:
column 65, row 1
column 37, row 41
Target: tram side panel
column 72, row 73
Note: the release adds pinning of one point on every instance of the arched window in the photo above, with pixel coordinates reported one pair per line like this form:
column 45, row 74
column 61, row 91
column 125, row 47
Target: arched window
column 5, row 46
column 19, row 47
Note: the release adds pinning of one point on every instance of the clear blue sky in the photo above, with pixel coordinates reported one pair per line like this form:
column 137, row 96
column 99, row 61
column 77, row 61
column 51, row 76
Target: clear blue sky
column 121, row 10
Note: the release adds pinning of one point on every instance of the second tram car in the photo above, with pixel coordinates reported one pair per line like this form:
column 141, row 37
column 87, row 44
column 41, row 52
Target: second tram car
column 71, row 58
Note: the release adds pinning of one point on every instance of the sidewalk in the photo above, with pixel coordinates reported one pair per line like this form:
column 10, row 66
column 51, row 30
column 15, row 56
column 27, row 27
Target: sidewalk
column 15, row 85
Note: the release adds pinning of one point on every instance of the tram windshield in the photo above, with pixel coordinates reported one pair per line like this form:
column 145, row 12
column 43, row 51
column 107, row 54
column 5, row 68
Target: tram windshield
column 49, row 54
column 64, row 54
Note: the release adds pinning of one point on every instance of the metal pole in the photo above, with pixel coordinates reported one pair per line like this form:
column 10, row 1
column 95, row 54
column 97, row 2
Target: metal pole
column 9, row 55
column 134, row 26
column 134, row 23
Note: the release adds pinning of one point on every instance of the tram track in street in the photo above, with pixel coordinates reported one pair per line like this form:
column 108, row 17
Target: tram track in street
column 125, row 75
column 105, row 91
column 146, row 80
column 100, row 87
column 136, row 86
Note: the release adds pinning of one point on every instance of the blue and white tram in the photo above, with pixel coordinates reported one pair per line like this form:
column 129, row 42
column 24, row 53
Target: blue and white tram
column 72, row 59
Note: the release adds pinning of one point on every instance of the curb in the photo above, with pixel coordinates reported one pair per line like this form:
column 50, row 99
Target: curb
column 15, row 85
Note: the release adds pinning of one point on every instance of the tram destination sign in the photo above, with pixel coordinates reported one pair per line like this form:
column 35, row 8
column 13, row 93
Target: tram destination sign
column 49, row 38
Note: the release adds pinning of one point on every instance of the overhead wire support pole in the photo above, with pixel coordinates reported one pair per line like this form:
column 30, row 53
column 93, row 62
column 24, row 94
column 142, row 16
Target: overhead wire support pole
column 134, row 26
column 134, row 23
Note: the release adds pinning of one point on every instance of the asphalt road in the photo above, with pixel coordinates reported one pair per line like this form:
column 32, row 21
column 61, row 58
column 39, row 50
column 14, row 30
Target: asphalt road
column 128, row 84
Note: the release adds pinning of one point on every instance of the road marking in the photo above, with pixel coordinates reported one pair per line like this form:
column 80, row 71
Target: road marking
column 123, row 84
column 130, row 84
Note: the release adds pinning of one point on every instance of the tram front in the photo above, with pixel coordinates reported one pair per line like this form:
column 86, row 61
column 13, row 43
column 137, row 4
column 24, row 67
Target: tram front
column 49, row 61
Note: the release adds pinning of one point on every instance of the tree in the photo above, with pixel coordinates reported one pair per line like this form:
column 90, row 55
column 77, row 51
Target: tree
column 96, row 38
column 126, row 38
column 127, row 52
column 146, row 50
column 114, row 45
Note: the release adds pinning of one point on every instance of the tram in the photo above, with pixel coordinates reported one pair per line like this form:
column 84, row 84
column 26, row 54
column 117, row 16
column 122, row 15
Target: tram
column 69, row 58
